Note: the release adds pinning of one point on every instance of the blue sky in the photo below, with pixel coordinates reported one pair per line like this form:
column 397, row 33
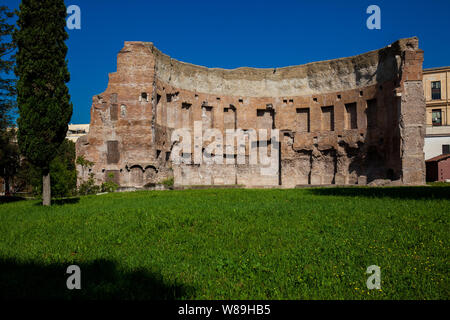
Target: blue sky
column 231, row 34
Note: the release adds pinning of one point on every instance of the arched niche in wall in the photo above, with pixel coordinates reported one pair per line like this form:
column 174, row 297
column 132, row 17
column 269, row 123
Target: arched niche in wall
column 136, row 175
column 150, row 173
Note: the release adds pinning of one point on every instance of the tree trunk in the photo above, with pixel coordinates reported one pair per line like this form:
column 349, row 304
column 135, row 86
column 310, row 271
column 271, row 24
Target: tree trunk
column 46, row 190
column 7, row 191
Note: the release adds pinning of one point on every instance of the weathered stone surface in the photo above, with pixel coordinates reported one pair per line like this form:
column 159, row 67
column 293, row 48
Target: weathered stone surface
column 353, row 120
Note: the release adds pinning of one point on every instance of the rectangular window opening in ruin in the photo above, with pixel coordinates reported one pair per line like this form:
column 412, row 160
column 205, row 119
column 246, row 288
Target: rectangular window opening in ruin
column 112, row 152
column 302, row 120
column 207, row 117
column 167, row 155
column 143, row 97
column 168, row 97
column 186, row 115
column 159, row 110
column 114, row 112
column 229, row 117
column 123, row 111
column 328, row 118
column 371, row 113
column 265, row 118
column 158, row 153
column 350, row 117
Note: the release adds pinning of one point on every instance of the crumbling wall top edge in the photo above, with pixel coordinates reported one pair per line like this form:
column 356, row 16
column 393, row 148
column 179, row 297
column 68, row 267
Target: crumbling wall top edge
column 403, row 44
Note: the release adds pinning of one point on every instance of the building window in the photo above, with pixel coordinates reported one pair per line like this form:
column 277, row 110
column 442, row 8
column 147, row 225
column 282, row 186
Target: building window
column 446, row 149
column 436, row 117
column 435, row 90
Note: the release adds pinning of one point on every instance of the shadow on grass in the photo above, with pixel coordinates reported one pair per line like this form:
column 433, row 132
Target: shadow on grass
column 389, row 192
column 100, row 280
column 61, row 202
column 7, row 199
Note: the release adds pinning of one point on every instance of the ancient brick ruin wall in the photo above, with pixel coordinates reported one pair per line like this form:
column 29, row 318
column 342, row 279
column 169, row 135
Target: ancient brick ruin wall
column 345, row 121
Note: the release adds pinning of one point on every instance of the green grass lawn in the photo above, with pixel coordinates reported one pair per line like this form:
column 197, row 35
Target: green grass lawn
column 230, row 244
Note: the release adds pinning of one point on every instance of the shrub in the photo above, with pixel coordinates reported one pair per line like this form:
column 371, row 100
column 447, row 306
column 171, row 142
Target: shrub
column 168, row 183
column 89, row 187
column 109, row 185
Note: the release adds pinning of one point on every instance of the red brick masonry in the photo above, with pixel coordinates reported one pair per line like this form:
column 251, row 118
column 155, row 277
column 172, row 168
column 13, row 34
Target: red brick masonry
column 354, row 120
column 438, row 168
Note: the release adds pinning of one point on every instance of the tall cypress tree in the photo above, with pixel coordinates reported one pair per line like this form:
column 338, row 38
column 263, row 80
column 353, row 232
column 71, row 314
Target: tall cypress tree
column 7, row 85
column 42, row 95
column 8, row 151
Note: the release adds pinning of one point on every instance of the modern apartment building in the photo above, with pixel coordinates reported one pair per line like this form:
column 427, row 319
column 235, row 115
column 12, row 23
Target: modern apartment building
column 437, row 87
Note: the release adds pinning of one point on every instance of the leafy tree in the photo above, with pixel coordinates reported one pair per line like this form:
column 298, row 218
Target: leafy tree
column 23, row 179
column 9, row 157
column 84, row 163
column 62, row 170
column 42, row 95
